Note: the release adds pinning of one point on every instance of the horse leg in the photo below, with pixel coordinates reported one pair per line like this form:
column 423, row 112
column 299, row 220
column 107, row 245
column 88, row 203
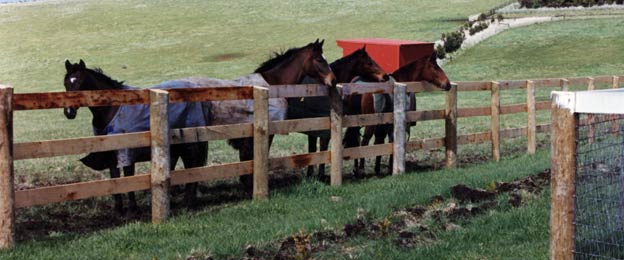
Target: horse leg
column 380, row 137
column 114, row 173
column 195, row 155
column 132, row 204
column 324, row 146
column 369, row 131
column 311, row 149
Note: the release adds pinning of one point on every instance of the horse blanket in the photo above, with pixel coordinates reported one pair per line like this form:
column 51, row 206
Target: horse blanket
column 135, row 118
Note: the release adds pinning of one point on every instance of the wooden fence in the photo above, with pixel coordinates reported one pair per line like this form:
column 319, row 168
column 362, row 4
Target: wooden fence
column 160, row 136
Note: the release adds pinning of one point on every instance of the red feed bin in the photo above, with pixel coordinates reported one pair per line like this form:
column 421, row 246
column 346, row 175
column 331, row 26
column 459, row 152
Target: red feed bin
column 388, row 53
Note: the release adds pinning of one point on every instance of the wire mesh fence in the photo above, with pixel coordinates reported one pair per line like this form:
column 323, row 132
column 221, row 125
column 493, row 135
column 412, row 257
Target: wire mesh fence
column 599, row 200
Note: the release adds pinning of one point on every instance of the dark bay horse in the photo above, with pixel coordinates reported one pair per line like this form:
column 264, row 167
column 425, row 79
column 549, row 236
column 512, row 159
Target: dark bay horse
column 357, row 64
column 423, row 69
column 290, row 67
column 134, row 118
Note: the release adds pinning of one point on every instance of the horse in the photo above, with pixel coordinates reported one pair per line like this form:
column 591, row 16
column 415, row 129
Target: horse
column 133, row 118
column 357, row 64
column 423, row 69
column 282, row 69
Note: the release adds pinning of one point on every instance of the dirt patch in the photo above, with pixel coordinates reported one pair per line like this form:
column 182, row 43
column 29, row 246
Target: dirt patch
column 224, row 57
column 407, row 227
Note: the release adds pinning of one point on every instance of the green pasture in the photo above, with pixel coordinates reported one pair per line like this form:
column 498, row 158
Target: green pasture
column 144, row 43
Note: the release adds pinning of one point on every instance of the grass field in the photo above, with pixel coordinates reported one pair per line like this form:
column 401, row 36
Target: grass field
column 229, row 38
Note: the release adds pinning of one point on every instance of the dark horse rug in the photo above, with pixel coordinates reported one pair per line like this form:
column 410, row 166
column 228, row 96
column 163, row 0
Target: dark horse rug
column 135, row 118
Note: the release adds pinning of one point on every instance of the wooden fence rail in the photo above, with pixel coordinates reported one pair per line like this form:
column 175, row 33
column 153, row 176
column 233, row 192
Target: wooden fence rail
column 160, row 136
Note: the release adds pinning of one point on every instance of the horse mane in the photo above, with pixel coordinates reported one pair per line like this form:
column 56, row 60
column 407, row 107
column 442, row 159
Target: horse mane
column 339, row 62
column 98, row 72
column 277, row 59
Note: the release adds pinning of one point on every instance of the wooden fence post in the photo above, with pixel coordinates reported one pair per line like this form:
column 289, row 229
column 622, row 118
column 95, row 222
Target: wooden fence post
column 495, row 120
column 565, row 85
column 590, row 117
column 261, row 143
column 450, row 127
column 161, row 158
column 615, row 127
column 400, row 96
column 531, row 125
column 563, row 165
column 7, row 194
column 335, row 98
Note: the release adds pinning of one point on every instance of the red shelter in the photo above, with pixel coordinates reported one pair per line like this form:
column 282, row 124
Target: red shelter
column 388, row 53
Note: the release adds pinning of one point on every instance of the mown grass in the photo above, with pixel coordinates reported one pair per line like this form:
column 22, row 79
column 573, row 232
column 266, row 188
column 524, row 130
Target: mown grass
column 306, row 206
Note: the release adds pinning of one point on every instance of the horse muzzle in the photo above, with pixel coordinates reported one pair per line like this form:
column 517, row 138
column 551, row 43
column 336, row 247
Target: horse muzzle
column 330, row 80
column 70, row 112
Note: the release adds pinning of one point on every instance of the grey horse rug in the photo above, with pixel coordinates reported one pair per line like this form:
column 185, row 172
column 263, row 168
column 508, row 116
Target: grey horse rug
column 135, row 118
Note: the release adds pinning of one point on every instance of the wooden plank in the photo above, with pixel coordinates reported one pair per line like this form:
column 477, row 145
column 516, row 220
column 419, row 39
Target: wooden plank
column 543, row 128
column 82, row 190
column 290, row 91
column 512, row 109
column 475, row 138
column 546, row 83
column 210, row 133
column 605, row 79
column 425, row 144
column 299, row 125
column 209, row 94
column 211, row 173
column 398, row 158
column 578, row 81
column 420, row 86
column 261, row 143
column 60, row 147
column 336, row 114
column 364, row 87
column 7, row 195
column 495, row 121
column 450, row 127
column 47, row 100
column 474, row 111
column 542, row 105
column 367, row 151
column 414, row 116
column 473, row 86
column 299, row 160
column 531, row 123
column 368, row 119
column 159, row 169
column 513, row 132
column 564, row 84
column 563, row 175
column 512, row 84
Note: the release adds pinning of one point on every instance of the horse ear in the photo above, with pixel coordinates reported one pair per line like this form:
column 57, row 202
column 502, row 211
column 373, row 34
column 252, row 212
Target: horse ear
column 321, row 43
column 364, row 47
column 82, row 64
column 317, row 41
column 67, row 65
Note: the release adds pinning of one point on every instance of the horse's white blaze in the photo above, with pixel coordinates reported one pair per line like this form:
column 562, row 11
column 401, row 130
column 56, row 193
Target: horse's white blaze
column 71, row 80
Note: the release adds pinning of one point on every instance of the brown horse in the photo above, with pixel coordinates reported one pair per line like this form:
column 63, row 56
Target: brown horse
column 357, row 64
column 290, row 67
column 424, row 69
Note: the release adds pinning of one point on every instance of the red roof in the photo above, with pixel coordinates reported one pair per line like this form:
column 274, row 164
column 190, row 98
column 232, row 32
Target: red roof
column 382, row 41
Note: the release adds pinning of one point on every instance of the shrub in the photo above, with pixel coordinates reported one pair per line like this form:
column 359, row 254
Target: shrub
column 441, row 51
column 453, row 41
column 565, row 3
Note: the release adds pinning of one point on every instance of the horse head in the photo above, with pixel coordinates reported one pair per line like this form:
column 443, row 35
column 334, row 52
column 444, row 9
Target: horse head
column 358, row 64
column 74, row 80
column 315, row 65
column 433, row 73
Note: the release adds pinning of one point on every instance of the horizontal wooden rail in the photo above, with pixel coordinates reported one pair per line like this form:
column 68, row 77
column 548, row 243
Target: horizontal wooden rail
column 363, row 88
column 82, row 190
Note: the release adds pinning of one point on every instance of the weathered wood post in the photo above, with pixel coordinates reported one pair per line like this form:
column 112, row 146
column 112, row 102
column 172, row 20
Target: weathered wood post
column 336, row 114
column 400, row 96
column 495, row 120
column 161, row 158
column 7, row 195
column 565, row 85
column 563, row 165
column 261, row 143
column 450, row 127
column 590, row 117
column 531, row 125
column 615, row 127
